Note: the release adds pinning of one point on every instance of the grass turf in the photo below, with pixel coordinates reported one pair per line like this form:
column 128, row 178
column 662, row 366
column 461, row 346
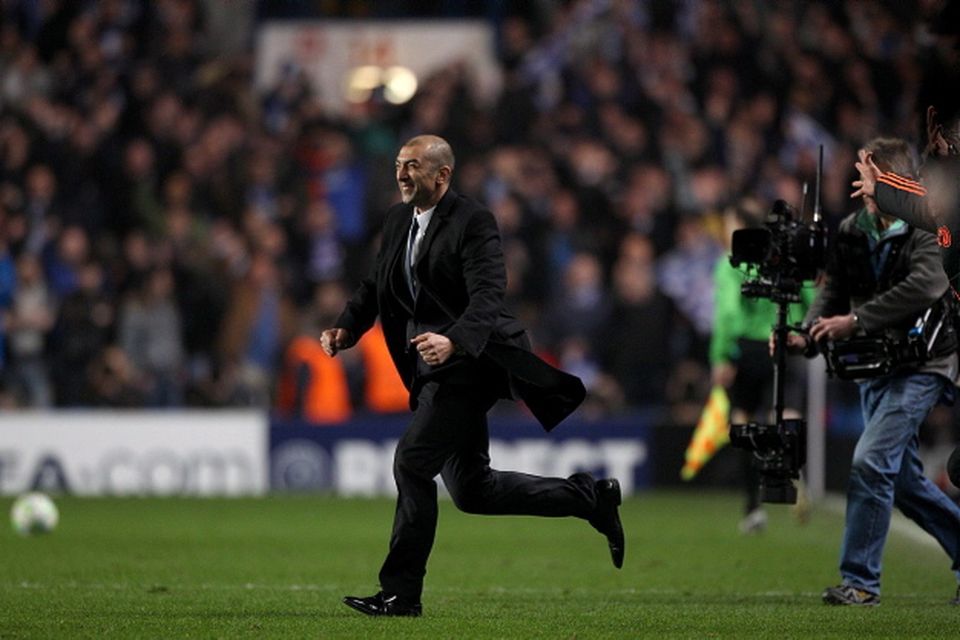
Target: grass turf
column 277, row 567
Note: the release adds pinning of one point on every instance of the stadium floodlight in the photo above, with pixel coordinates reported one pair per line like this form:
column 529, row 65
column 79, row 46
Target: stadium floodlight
column 400, row 84
column 362, row 81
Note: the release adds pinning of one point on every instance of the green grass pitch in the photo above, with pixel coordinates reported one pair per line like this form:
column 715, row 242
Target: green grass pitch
column 277, row 567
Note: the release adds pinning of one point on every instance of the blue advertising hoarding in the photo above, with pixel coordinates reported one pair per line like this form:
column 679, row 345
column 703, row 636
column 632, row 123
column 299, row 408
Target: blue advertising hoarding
column 356, row 458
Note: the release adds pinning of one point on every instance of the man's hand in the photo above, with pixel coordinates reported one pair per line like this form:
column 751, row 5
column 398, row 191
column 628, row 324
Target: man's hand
column 434, row 348
column 333, row 340
column 834, row 328
column 869, row 172
column 796, row 344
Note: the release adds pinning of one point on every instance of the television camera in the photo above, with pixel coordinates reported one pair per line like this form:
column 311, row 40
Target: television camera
column 779, row 257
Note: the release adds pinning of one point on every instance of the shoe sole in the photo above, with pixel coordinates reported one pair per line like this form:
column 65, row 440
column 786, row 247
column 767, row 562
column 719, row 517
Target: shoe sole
column 835, row 601
column 356, row 606
column 618, row 500
column 839, row 603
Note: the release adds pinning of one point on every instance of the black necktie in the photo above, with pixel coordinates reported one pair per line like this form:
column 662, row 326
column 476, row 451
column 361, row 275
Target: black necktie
column 411, row 243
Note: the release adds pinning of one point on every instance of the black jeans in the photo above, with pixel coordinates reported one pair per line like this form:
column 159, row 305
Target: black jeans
column 448, row 435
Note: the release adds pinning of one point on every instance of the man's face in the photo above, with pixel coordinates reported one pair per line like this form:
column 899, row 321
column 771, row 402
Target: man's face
column 418, row 179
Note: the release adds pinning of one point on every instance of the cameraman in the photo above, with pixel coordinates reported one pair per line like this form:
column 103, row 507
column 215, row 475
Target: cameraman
column 933, row 206
column 882, row 276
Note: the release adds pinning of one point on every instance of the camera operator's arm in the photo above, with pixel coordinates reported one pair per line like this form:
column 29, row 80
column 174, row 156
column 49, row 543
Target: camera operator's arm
column 833, row 297
column 831, row 302
column 924, row 284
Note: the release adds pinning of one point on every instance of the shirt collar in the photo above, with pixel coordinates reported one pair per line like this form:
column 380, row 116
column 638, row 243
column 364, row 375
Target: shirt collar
column 424, row 217
column 867, row 224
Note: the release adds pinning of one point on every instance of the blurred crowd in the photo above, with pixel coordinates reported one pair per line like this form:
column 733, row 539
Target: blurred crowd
column 166, row 231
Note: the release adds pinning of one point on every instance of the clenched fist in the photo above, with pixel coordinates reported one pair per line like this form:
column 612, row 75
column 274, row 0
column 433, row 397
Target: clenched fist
column 333, row 340
column 434, row 348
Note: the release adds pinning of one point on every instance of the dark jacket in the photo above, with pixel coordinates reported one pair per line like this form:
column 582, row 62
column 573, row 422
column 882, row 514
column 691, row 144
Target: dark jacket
column 462, row 278
column 889, row 300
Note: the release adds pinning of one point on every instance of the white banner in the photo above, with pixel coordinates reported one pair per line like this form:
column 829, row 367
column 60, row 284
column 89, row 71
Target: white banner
column 196, row 453
column 328, row 51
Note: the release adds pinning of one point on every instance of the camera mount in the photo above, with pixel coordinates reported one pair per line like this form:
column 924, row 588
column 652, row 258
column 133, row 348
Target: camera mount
column 784, row 253
column 778, row 448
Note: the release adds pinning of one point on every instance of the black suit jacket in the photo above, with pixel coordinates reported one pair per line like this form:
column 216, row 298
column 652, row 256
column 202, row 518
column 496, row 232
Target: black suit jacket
column 461, row 276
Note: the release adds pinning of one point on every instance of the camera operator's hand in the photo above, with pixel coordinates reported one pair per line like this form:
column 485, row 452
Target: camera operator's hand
column 869, row 172
column 796, row 344
column 834, row 328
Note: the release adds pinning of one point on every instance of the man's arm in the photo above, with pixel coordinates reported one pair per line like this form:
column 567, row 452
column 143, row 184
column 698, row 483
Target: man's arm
column 923, row 286
column 361, row 311
column 358, row 316
column 356, row 319
column 905, row 199
column 832, row 298
column 896, row 195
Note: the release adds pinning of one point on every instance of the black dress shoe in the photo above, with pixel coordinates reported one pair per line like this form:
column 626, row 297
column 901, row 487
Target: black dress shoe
column 606, row 518
column 382, row 604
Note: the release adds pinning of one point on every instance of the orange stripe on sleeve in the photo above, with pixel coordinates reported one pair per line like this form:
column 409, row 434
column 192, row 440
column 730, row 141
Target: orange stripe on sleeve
column 896, row 177
column 914, row 188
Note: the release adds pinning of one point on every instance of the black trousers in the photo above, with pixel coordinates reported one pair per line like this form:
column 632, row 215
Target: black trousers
column 448, row 435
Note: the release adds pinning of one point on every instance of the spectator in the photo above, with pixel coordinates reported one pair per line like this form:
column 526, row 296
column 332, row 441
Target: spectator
column 257, row 322
column 27, row 323
column 84, row 327
column 150, row 334
column 313, row 386
column 580, row 308
column 8, row 287
column 635, row 348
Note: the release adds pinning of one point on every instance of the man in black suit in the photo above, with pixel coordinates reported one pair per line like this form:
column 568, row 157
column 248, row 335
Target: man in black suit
column 438, row 287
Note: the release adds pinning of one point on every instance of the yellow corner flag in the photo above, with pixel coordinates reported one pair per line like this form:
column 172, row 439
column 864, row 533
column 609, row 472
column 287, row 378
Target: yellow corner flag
column 712, row 432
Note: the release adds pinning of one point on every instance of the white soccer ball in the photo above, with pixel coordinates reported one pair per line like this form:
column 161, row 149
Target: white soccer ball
column 33, row 513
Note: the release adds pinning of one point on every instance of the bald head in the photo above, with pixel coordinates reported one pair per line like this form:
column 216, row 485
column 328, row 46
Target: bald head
column 435, row 150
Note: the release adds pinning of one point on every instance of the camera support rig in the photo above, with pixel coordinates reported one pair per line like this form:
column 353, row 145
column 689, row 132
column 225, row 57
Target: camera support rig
column 785, row 253
column 778, row 448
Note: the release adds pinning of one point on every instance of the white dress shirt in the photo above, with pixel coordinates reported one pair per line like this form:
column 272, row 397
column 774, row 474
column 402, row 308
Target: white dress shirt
column 423, row 219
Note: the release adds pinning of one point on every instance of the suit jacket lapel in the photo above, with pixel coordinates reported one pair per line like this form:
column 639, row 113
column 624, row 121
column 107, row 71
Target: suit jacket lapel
column 393, row 269
column 438, row 220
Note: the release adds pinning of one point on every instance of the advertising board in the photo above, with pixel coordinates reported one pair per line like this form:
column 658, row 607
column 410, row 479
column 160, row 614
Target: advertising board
column 197, row 453
column 357, row 459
